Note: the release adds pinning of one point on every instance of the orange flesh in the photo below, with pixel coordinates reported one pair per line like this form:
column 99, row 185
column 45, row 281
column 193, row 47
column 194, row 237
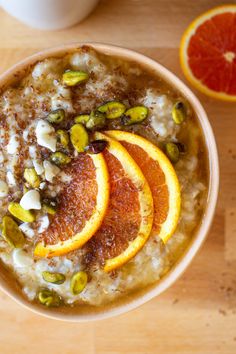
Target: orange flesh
column 76, row 202
column 121, row 223
column 212, row 53
column 156, row 180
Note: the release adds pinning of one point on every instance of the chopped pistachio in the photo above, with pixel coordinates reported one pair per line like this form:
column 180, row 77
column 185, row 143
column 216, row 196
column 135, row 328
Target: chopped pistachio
column 49, row 298
column 56, row 116
column 82, row 118
column 97, row 120
column 55, row 278
column 172, row 151
column 179, row 112
column 24, row 215
column 79, row 137
column 31, row 177
column 63, row 137
column 73, row 78
column 59, row 158
column 78, row 282
column 135, row 115
column 112, row 109
column 49, row 209
column 11, row 232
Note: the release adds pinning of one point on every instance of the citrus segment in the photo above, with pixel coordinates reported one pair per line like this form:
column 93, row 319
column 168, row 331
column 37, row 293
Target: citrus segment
column 81, row 207
column 208, row 52
column 161, row 178
column 128, row 221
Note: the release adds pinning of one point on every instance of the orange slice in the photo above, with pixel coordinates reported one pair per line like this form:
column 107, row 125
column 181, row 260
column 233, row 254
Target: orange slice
column 161, row 178
column 208, row 53
column 82, row 205
column 128, row 221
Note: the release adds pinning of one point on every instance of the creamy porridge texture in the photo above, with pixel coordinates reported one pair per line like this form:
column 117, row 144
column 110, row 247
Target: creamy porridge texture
column 30, row 177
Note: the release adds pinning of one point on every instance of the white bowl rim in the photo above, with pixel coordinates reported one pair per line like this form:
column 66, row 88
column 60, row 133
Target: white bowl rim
column 202, row 232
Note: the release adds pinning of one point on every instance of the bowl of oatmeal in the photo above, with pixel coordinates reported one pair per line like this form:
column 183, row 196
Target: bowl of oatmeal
column 109, row 180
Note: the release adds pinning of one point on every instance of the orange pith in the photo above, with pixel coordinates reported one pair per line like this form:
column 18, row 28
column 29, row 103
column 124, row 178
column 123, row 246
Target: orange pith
column 208, row 52
column 81, row 208
column 161, row 178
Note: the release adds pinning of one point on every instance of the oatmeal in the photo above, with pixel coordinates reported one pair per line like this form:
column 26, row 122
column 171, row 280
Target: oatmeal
column 49, row 165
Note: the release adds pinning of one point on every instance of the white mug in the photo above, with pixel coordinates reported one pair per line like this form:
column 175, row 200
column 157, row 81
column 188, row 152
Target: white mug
column 49, row 14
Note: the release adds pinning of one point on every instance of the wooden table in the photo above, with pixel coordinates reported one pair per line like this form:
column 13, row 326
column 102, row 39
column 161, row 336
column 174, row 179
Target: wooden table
column 198, row 314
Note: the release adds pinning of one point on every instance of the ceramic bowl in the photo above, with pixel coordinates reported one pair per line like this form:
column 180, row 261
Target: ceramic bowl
column 88, row 313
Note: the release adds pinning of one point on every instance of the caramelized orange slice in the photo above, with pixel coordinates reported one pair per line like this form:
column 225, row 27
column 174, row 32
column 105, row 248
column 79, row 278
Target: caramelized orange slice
column 161, row 178
column 128, row 221
column 81, row 208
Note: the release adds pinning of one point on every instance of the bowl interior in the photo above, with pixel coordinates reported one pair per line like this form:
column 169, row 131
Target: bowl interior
column 86, row 313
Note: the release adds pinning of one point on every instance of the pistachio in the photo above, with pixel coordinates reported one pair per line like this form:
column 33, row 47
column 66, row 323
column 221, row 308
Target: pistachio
column 55, row 278
column 79, row 137
column 24, row 215
column 59, row 158
column 49, row 209
column 73, row 78
column 179, row 112
column 49, row 298
column 78, row 282
column 63, row 137
column 172, row 151
column 82, row 118
column 11, row 232
column 96, row 146
column 31, row 177
column 135, row 115
column 96, row 120
column 112, row 109
column 56, row 116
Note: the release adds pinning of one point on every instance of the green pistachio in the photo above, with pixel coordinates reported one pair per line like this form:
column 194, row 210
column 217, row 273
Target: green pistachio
column 73, row 78
column 172, row 151
column 179, row 112
column 79, row 137
column 49, row 298
column 56, row 116
column 59, row 158
column 31, row 177
column 11, row 232
column 63, row 137
column 97, row 120
column 112, row 109
column 55, row 278
column 24, row 215
column 78, row 282
column 135, row 115
column 82, row 118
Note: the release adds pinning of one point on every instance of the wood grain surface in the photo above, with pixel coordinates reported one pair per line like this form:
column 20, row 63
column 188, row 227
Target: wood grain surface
column 198, row 314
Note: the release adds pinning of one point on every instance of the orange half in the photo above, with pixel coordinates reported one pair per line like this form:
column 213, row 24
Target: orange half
column 208, row 53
